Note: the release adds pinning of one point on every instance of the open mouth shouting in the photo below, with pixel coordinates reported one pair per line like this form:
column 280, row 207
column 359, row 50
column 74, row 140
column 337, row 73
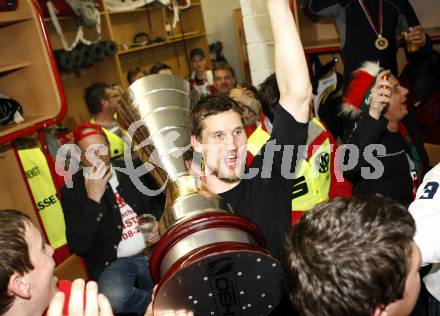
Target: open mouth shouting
column 231, row 160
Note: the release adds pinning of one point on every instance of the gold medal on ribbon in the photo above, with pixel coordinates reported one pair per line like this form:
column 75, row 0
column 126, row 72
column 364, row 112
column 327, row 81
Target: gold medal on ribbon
column 381, row 43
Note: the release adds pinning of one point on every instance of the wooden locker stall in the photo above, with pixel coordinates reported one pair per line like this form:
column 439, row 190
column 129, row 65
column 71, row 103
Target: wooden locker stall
column 28, row 74
column 167, row 45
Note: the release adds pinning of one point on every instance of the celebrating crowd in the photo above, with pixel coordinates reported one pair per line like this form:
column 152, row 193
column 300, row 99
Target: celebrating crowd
column 351, row 220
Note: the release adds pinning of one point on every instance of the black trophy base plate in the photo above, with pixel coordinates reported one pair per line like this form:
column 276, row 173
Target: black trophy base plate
column 227, row 282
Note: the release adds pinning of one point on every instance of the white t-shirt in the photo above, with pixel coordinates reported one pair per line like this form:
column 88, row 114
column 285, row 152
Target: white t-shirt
column 132, row 241
column 203, row 88
column 426, row 213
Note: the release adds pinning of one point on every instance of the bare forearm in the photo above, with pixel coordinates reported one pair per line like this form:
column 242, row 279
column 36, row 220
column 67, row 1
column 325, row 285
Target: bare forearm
column 290, row 62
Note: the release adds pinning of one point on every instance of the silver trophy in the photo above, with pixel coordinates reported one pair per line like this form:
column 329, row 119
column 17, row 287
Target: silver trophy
column 208, row 260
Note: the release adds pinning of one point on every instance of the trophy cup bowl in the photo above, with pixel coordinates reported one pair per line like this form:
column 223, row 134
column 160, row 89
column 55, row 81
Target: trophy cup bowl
column 208, row 260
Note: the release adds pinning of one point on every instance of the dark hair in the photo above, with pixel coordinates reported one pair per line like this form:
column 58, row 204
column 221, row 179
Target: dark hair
column 269, row 95
column 210, row 105
column 14, row 254
column 133, row 73
column 196, row 52
column 349, row 256
column 223, row 66
column 94, row 94
column 249, row 86
column 158, row 67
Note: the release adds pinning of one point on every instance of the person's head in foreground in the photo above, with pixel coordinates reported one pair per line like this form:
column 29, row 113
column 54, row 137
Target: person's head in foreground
column 217, row 132
column 354, row 257
column 27, row 283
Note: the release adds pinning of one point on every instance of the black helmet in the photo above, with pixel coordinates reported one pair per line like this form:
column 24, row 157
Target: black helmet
column 10, row 111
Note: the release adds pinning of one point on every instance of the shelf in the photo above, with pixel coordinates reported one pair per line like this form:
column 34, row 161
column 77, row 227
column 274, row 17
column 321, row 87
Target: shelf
column 14, row 17
column 185, row 35
column 27, row 123
column 320, row 46
column 8, row 68
column 8, row 18
column 67, row 17
column 141, row 48
column 193, row 5
column 140, row 10
column 151, row 7
column 333, row 45
column 434, row 33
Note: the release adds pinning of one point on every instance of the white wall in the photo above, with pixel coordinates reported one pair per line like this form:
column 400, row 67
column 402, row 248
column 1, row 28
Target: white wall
column 259, row 39
column 219, row 24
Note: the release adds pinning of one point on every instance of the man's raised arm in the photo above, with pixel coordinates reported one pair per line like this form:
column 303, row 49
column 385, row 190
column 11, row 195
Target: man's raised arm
column 290, row 62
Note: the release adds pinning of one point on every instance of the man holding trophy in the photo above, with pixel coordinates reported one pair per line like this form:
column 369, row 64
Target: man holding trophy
column 263, row 194
column 211, row 257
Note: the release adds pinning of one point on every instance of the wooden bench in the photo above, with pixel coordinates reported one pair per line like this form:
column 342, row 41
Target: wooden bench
column 71, row 269
column 433, row 153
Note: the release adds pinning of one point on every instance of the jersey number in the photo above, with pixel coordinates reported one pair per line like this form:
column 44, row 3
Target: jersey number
column 299, row 187
column 429, row 190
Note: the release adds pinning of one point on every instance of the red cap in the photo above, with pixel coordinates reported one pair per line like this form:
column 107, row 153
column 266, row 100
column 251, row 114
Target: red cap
column 78, row 133
column 359, row 88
